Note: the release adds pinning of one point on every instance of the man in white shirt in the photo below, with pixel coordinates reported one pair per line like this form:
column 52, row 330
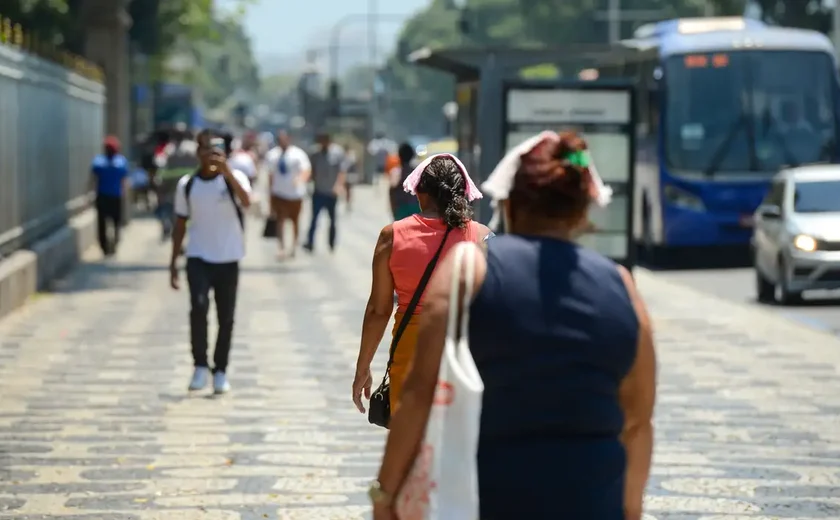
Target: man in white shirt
column 213, row 199
column 290, row 170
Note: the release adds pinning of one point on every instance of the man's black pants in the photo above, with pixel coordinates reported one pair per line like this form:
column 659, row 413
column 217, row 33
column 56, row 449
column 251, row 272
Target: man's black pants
column 320, row 202
column 108, row 210
column 223, row 279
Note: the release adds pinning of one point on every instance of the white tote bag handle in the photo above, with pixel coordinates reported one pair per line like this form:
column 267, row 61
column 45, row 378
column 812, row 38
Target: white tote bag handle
column 464, row 253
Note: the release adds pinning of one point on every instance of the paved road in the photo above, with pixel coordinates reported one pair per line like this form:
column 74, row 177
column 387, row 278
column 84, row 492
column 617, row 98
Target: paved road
column 820, row 310
column 95, row 422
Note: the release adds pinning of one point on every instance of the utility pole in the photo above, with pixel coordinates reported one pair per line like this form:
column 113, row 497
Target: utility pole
column 373, row 17
column 373, row 26
column 614, row 17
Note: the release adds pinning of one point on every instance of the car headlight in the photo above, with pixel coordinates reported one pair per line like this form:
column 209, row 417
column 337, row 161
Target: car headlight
column 804, row 243
column 683, row 199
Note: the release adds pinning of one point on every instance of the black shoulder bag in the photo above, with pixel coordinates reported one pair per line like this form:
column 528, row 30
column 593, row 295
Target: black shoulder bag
column 379, row 411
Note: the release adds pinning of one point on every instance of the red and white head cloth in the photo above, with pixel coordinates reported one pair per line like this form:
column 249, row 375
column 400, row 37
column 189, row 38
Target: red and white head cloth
column 411, row 182
column 500, row 182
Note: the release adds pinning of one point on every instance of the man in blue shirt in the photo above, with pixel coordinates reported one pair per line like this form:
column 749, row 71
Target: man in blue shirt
column 109, row 178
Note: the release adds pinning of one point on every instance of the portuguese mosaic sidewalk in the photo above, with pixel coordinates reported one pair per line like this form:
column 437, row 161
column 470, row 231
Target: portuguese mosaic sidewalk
column 96, row 424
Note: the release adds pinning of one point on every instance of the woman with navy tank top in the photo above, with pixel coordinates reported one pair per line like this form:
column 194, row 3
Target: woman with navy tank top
column 563, row 343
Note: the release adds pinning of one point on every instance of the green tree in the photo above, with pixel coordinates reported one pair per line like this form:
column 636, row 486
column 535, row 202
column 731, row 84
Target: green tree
column 51, row 21
column 586, row 21
column 729, row 7
column 226, row 64
column 804, row 14
column 278, row 85
column 417, row 94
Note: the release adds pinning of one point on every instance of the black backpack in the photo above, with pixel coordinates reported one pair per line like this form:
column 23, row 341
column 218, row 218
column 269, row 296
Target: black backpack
column 188, row 188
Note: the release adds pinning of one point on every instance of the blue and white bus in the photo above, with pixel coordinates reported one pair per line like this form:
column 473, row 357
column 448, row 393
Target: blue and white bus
column 723, row 104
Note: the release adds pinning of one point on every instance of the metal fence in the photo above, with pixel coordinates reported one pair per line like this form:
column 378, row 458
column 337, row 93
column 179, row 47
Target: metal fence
column 51, row 127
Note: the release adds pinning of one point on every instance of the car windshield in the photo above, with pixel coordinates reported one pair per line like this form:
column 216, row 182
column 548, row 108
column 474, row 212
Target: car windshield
column 749, row 110
column 817, row 197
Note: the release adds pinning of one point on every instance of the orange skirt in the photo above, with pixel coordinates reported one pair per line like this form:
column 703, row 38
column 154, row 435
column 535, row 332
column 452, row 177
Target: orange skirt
column 402, row 357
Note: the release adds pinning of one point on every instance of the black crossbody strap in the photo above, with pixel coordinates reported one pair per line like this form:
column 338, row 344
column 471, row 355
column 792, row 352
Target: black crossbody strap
column 235, row 204
column 188, row 189
column 415, row 300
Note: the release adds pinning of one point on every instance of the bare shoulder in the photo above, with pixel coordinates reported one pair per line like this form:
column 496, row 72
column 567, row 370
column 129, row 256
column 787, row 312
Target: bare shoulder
column 635, row 296
column 627, row 276
column 482, row 231
column 386, row 236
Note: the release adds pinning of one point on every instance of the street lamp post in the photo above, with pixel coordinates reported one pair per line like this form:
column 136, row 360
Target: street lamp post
column 335, row 36
column 450, row 112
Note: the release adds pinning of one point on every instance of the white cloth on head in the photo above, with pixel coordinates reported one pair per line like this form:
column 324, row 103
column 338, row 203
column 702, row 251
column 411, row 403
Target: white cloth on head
column 471, row 192
column 500, row 182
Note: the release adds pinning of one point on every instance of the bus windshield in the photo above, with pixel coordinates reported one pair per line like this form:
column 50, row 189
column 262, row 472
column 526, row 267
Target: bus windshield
column 172, row 110
column 749, row 111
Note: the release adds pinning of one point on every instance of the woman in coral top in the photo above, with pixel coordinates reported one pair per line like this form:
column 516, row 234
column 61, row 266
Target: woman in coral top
column 404, row 250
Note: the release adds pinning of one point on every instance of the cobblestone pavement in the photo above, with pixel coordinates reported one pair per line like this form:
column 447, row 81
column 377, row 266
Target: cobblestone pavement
column 95, row 422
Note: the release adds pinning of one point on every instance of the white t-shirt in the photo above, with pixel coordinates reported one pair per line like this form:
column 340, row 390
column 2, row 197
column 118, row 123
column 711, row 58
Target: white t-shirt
column 215, row 233
column 243, row 162
column 296, row 161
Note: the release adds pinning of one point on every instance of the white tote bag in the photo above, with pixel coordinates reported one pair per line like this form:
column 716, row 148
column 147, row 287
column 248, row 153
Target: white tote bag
column 443, row 482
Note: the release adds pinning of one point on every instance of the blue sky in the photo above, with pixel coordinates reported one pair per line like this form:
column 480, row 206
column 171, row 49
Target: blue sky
column 283, row 30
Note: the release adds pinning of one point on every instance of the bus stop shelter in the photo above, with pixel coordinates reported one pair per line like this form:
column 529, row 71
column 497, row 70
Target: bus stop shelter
column 484, row 78
column 480, row 74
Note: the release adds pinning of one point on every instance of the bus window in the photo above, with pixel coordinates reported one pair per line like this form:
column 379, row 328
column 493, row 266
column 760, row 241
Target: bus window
column 797, row 122
column 704, row 105
column 760, row 109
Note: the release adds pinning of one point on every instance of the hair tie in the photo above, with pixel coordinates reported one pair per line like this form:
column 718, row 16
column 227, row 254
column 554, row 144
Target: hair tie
column 578, row 158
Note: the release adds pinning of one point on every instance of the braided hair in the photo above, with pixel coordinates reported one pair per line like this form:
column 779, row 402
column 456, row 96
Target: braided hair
column 443, row 181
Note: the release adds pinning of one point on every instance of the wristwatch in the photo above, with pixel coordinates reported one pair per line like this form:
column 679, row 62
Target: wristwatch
column 378, row 495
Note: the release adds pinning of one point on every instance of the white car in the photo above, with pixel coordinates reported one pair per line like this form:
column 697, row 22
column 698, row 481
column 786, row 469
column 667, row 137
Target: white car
column 796, row 239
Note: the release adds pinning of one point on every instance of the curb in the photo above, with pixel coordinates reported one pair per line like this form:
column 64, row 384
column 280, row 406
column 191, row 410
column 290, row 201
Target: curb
column 27, row 271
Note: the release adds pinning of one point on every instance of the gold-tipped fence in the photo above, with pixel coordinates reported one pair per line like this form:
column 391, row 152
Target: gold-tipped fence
column 13, row 35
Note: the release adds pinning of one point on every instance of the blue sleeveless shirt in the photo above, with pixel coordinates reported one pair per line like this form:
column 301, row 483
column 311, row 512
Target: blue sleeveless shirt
column 553, row 332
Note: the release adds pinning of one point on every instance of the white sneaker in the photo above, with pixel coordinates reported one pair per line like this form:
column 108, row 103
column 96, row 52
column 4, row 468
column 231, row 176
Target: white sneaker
column 220, row 383
column 199, row 378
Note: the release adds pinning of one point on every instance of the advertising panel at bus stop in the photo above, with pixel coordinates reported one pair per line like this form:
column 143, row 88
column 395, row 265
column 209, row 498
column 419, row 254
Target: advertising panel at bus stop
column 603, row 114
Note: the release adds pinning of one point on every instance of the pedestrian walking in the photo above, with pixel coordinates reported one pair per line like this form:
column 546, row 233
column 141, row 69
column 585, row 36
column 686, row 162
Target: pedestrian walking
column 403, row 204
column 352, row 175
column 404, row 258
column 241, row 159
column 212, row 199
column 328, row 177
column 563, row 344
column 290, row 170
column 109, row 180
